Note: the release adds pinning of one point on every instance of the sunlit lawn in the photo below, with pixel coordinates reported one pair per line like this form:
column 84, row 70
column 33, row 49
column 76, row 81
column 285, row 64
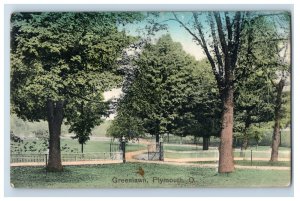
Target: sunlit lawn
column 101, row 176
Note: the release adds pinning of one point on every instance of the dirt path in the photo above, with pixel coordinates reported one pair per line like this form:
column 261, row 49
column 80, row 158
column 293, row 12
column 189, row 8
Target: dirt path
column 170, row 161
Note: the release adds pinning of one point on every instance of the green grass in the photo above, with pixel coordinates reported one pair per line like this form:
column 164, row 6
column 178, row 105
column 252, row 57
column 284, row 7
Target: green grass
column 101, row 176
column 99, row 146
column 263, row 163
column 90, row 146
column 100, row 131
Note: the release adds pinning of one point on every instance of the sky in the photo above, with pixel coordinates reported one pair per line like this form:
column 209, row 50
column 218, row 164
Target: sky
column 178, row 33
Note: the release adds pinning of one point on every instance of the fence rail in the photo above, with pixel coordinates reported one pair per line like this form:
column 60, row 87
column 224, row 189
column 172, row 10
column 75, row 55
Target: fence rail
column 66, row 157
column 238, row 154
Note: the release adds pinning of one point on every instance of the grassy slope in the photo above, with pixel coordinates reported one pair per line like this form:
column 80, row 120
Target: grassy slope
column 100, row 176
column 90, row 146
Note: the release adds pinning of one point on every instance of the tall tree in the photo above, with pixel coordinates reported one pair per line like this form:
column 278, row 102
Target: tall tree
column 270, row 52
column 220, row 40
column 279, row 76
column 160, row 86
column 59, row 60
column 200, row 113
column 253, row 105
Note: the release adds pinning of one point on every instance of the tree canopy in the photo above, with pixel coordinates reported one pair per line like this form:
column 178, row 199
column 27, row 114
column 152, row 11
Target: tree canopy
column 171, row 93
column 61, row 63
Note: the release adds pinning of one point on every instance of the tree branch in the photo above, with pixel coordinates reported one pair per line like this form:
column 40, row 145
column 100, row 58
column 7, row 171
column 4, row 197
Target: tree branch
column 221, row 33
column 237, row 32
column 218, row 77
column 216, row 47
column 229, row 30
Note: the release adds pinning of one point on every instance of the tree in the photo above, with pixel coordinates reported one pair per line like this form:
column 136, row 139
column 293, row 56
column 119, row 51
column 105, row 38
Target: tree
column 221, row 46
column 59, row 60
column 160, row 86
column 84, row 119
column 270, row 53
column 200, row 113
column 127, row 125
column 253, row 105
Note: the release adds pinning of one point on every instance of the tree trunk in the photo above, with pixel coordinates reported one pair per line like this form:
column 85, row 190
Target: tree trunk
column 276, row 132
column 55, row 118
column 157, row 138
column 81, row 147
column 226, row 164
column 245, row 141
column 244, row 146
column 206, row 140
column 157, row 141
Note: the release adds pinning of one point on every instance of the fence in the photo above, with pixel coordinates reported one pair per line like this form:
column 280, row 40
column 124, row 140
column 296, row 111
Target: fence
column 66, row 157
column 156, row 151
column 211, row 155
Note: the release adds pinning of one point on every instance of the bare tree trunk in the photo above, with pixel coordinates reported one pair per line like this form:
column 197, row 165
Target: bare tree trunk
column 245, row 141
column 81, row 147
column 276, row 132
column 244, row 146
column 206, row 140
column 157, row 141
column 157, row 138
column 225, row 149
column 55, row 118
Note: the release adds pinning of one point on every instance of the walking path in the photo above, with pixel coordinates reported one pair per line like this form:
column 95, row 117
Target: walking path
column 130, row 157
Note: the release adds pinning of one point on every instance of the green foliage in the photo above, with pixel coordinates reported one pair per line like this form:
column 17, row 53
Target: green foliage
column 85, row 118
column 258, row 68
column 200, row 114
column 68, row 57
column 171, row 93
column 127, row 126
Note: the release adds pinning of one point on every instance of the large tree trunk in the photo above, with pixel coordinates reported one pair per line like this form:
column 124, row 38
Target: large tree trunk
column 206, row 140
column 55, row 118
column 276, row 132
column 226, row 164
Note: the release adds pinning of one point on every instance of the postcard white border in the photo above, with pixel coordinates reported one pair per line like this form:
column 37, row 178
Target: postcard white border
column 186, row 192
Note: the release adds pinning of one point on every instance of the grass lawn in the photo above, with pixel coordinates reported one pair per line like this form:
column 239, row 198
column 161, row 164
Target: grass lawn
column 100, row 131
column 90, row 146
column 105, row 176
column 99, row 146
column 263, row 163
